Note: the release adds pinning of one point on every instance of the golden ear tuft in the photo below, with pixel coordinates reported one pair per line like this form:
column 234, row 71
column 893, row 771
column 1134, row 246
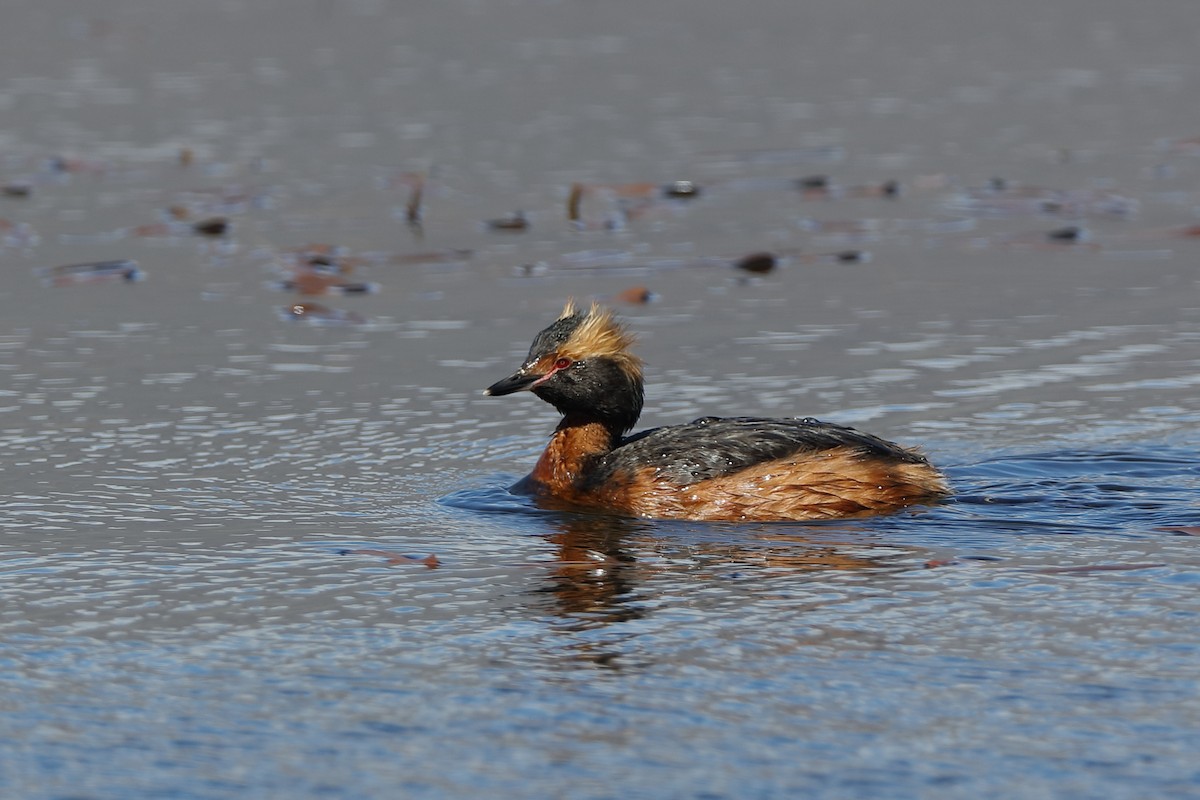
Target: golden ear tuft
column 569, row 309
column 600, row 334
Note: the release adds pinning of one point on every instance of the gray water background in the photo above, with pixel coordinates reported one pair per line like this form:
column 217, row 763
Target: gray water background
column 209, row 506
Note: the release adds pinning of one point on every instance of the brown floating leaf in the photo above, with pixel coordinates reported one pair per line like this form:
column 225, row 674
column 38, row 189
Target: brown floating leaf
column 574, row 201
column 637, row 295
column 392, row 558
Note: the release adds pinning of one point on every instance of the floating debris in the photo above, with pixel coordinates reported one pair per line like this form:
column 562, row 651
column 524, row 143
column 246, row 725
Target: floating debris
column 837, row 257
column 311, row 283
column 412, row 209
column 94, row 272
column 19, row 190
column 392, row 559
column 757, row 263
column 847, row 257
column 327, row 259
column 415, row 183
column 889, row 190
column 629, row 201
column 532, row 270
column 815, row 184
column 317, row 269
column 514, row 223
column 681, row 190
column 637, row 296
column 1071, row 234
column 214, row 226
column 575, row 202
column 326, row 264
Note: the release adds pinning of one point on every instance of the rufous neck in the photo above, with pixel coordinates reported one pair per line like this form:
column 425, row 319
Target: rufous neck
column 572, row 450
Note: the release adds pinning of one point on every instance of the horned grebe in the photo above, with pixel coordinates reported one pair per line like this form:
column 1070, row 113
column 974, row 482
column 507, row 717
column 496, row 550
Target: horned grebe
column 713, row 468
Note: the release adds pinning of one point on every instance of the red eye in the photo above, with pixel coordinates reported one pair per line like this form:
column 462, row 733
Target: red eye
column 562, row 363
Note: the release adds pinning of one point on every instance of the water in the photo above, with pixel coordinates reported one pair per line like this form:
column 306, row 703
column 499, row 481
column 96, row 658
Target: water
column 251, row 551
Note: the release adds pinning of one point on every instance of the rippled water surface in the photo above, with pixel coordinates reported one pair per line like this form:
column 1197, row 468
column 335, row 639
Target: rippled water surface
column 257, row 536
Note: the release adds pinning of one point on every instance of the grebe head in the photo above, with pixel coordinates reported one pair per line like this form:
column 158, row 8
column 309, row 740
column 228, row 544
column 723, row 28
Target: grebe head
column 582, row 366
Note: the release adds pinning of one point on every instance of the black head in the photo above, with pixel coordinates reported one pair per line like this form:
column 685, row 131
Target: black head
column 581, row 365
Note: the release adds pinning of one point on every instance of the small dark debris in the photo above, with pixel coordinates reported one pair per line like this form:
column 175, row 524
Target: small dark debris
column 513, row 223
column 1069, row 234
column 214, row 226
column 95, row 272
column 681, row 190
column 758, row 263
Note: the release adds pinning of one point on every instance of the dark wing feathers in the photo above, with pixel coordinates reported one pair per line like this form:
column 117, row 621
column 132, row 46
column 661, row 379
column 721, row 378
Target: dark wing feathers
column 711, row 447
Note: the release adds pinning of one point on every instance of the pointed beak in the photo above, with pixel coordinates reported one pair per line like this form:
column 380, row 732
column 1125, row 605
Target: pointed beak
column 519, row 381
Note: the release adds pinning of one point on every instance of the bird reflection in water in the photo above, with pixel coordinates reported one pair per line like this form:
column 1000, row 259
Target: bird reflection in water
column 606, row 570
column 595, row 572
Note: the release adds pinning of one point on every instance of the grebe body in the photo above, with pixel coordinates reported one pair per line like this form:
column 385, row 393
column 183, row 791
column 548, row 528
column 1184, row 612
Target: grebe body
column 713, row 468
